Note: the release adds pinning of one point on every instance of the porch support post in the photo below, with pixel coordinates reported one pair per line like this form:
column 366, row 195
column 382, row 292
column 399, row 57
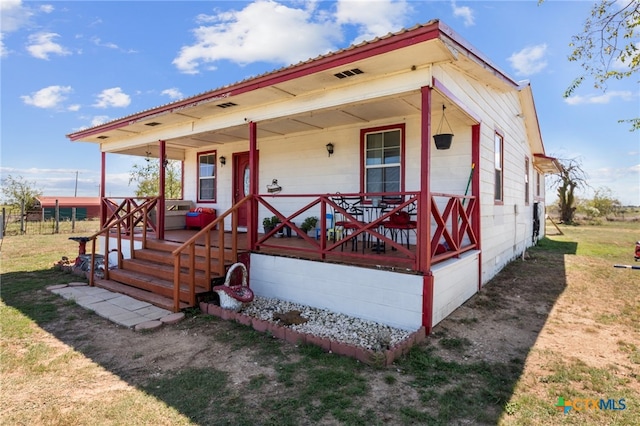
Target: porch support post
column 160, row 208
column 103, row 179
column 424, row 219
column 475, row 191
column 252, row 221
column 424, row 239
column 427, row 303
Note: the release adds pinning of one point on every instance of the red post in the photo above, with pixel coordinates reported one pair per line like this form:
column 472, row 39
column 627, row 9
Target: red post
column 160, row 208
column 427, row 302
column 252, row 222
column 475, row 191
column 424, row 213
column 103, row 180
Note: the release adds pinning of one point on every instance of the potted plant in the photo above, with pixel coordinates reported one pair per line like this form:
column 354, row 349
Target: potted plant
column 268, row 223
column 309, row 224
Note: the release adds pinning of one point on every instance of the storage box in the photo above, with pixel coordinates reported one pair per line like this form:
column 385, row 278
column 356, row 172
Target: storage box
column 200, row 217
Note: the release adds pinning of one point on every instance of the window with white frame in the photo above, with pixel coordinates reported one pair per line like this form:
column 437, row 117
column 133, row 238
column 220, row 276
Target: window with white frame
column 207, row 176
column 499, row 163
column 383, row 158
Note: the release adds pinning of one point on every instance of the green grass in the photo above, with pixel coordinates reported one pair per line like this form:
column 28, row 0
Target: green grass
column 434, row 384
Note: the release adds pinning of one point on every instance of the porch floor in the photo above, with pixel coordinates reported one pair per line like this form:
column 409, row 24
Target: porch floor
column 295, row 247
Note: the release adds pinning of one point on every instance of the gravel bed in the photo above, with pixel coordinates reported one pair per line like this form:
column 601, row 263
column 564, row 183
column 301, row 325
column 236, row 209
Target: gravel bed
column 324, row 323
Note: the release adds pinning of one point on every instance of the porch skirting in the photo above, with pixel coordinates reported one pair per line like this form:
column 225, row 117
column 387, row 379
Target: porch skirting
column 386, row 297
column 454, row 282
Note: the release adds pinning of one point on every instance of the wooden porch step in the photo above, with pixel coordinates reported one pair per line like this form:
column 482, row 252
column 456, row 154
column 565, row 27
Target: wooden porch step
column 166, row 258
column 170, row 246
column 139, row 294
column 165, row 271
column 162, row 287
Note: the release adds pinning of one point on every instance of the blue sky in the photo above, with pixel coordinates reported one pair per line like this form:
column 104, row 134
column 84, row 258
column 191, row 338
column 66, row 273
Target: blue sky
column 70, row 65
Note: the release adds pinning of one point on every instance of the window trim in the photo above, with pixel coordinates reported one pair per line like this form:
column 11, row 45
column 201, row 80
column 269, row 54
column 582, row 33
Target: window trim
column 527, row 181
column 214, row 177
column 363, row 167
column 498, row 198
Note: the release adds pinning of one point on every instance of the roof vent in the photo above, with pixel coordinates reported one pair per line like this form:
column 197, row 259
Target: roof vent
column 349, row 73
column 153, row 124
column 102, row 137
column 226, row 105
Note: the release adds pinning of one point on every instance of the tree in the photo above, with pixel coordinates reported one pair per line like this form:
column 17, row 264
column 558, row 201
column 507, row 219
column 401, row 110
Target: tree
column 570, row 177
column 147, row 176
column 18, row 190
column 604, row 201
column 608, row 47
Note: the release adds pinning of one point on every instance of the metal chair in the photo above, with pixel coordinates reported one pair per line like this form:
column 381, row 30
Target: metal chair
column 344, row 223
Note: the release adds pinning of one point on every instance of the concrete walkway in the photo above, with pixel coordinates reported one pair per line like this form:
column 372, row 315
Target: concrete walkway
column 116, row 307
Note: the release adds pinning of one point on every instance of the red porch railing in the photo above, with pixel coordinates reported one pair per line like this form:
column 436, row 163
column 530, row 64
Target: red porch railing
column 452, row 227
column 115, row 209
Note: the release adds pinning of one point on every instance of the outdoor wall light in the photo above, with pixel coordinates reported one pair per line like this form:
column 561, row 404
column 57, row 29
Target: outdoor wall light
column 223, row 161
column 330, row 148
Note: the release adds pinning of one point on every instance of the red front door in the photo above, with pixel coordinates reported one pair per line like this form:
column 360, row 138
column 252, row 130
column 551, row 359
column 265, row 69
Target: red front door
column 241, row 175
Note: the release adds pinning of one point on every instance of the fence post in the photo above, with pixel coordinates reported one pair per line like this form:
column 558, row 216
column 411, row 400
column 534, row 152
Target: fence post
column 4, row 216
column 73, row 219
column 22, row 225
column 57, row 229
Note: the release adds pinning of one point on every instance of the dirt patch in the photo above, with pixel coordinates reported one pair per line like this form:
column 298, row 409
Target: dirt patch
column 537, row 314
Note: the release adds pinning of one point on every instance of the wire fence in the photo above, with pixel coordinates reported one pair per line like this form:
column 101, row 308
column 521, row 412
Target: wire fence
column 33, row 223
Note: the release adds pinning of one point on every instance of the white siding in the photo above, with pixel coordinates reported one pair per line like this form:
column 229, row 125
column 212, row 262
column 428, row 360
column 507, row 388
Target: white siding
column 382, row 296
column 455, row 281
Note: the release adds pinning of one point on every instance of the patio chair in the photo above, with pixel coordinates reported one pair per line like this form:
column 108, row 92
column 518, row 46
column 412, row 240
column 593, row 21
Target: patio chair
column 331, row 231
column 401, row 223
column 344, row 225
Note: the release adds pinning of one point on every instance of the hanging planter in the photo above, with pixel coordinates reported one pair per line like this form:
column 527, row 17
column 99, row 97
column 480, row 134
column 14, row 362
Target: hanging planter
column 443, row 140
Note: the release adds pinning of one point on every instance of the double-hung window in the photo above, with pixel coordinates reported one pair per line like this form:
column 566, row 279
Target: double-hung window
column 207, row 177
column 526, row 180
column 499, row 163
column 383, row 153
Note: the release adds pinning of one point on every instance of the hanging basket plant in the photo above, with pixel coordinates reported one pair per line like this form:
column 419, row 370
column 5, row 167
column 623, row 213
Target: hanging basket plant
column 443, row 140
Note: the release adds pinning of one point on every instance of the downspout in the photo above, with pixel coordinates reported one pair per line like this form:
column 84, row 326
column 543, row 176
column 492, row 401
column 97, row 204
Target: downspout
column 252, row 221
column 161, row 208
column 475, row 191
column 424, row 220
column 103, row 180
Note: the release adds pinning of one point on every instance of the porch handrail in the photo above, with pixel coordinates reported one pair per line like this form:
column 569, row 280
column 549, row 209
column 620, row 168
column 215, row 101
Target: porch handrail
column 190, row 245
column 145, row 208
column 112, row 210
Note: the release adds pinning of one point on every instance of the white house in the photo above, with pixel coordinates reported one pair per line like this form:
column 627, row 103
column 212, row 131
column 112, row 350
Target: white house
column 359, row 122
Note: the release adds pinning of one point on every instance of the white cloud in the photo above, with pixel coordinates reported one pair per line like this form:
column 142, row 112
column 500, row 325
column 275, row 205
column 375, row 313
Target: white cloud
column 263, row 31
column 41, row 45
column 46, row 8
column 98, row 42
column 374, row 18
column 113, row 97
column 49, row 97
column 3, row 51
column 463, row 12
column 99, row 119
column 173, row 93
column 13, row 15
column 603, row 98
column 74, row 107
column 530, row 60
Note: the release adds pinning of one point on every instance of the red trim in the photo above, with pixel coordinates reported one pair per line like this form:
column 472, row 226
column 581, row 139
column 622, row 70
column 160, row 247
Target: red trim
column 527, row 189
column 161, row 200
column 427, row 302
column 252, row 221
column 475, row 191
column 215, row 176
column 424, row 219
column 363, row 133
column 103, row 180
column 498, row 201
